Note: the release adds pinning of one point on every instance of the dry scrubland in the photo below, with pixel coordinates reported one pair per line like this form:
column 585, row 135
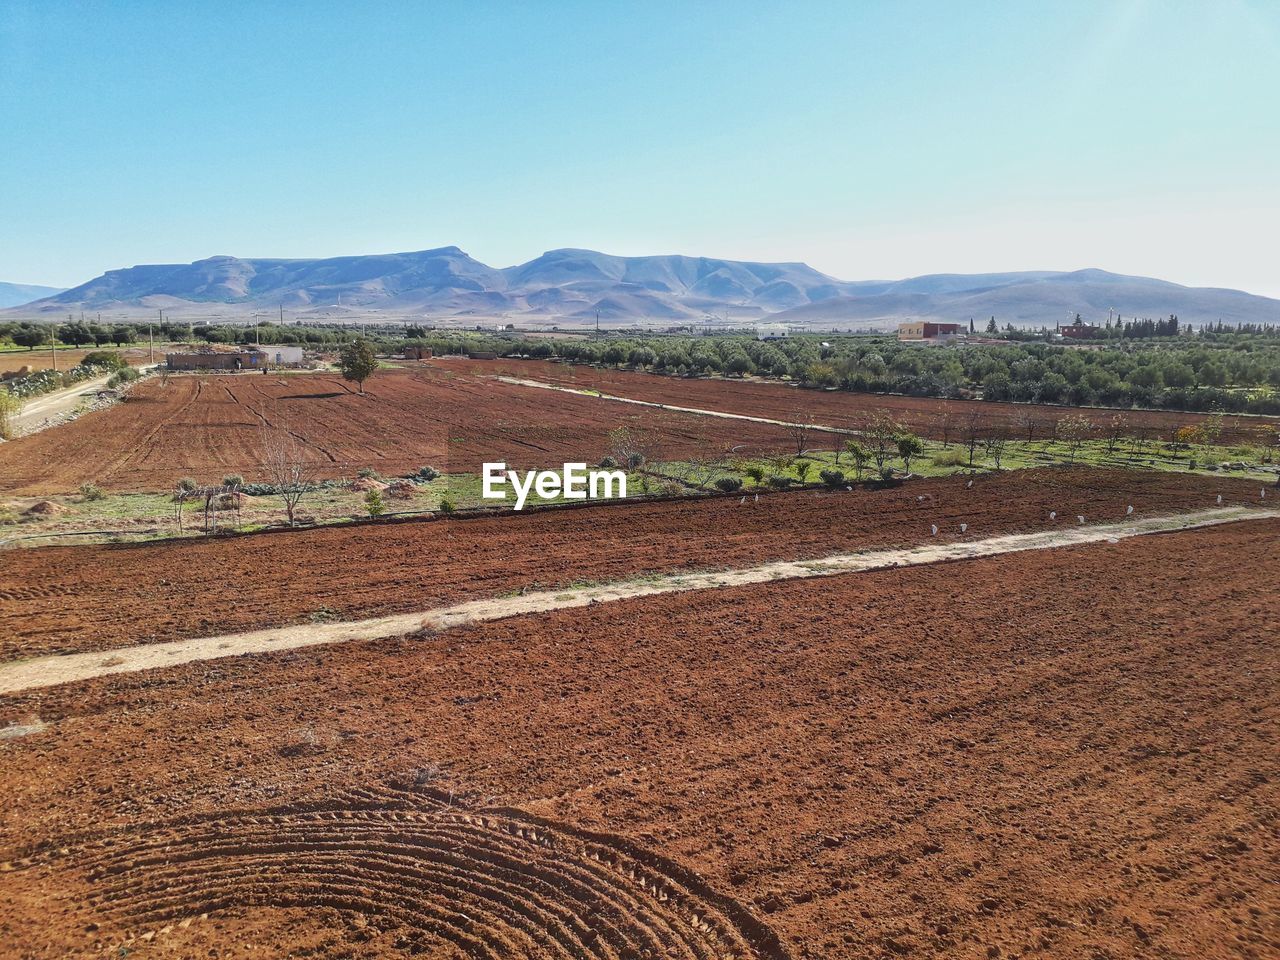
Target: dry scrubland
column 1067, row 753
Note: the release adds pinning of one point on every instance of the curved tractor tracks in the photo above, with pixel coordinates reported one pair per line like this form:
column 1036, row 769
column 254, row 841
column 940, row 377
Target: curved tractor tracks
column 491, row 883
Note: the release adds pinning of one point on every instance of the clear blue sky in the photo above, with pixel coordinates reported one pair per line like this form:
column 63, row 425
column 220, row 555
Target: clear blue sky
column 870, row 139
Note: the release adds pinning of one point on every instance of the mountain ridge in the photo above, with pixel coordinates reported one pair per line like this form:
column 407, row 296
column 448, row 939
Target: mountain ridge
column 16, row 294
column 575, row 284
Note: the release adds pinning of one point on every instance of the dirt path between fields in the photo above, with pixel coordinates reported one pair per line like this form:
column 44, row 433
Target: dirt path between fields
column 50, row 671
column 599, row 395
column 35, row 412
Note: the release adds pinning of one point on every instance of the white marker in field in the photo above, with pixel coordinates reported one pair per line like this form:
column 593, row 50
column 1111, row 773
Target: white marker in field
column 1219, row 499
column 1053, row 514
column 964, row 527
column 933, row 528
column 1128, row 511
column 969, row 485
column 1079, row 518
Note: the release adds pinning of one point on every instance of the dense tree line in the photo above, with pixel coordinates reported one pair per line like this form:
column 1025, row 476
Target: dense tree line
column 1142, row 363
column 1229, row 372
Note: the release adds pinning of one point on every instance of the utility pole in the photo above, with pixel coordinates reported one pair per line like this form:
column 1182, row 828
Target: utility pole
column 151, row 337
column 53, row 346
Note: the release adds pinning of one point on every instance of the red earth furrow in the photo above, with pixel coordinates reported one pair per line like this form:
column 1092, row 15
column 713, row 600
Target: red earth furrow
column 128, row 594
column 1066, row 752
column 927, row 416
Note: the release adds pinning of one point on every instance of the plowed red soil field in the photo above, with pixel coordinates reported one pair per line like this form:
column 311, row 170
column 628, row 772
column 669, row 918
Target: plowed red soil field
column 1067, row 753
column 927, row 416
column 208, row 426
column 63, row 599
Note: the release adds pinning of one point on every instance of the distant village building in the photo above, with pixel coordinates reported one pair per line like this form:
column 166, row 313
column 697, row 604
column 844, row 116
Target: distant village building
column 244, row 358
column 217, row 360
column 929, row 332
column 771, row 331
column 417, row 353
column 279, row 355
column 1080, row 331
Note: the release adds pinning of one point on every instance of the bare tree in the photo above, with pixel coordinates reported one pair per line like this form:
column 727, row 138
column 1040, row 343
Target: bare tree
column 1141, row 436
column 838, row 440
column 946, row 423
column 287, row 467
column 1075, row 430
column 971, row 434
column 799, row 430
column 1026, row 423
column 881, row 437
column 629, row 448
column 1117, row 427
column 994, row 443
column 1269, row 440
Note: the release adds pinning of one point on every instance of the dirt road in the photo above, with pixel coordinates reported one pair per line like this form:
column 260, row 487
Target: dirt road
column 56, row 600
column 51, row 671
column 40, row 409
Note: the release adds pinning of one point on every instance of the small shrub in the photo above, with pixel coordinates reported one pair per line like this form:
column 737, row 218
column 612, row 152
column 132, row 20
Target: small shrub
column 373, row 503
column 10, row 406
column 427, row 474
column 89, row 491
column 834, row 479
column 107, row 359
column 779, row 482
column 608, row 463
column 186, row 485
column 121, row 377
column 953, row 457
column 802, row 468
column 728, row 484
column 756, row 473
column 367, row 473
column 233, row 480
column 447, row 506
column 886, row 473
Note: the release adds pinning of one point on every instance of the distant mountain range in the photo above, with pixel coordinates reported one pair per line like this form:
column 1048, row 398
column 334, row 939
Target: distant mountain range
column 15, row 294
column 576, row 285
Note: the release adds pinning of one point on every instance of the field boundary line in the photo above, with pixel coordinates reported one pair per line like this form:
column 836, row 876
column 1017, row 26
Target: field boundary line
column 37, row 673
column 700, row 411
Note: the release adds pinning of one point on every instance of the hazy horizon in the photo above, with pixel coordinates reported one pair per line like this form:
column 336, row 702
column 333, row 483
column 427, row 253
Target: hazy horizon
column 869, row 141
